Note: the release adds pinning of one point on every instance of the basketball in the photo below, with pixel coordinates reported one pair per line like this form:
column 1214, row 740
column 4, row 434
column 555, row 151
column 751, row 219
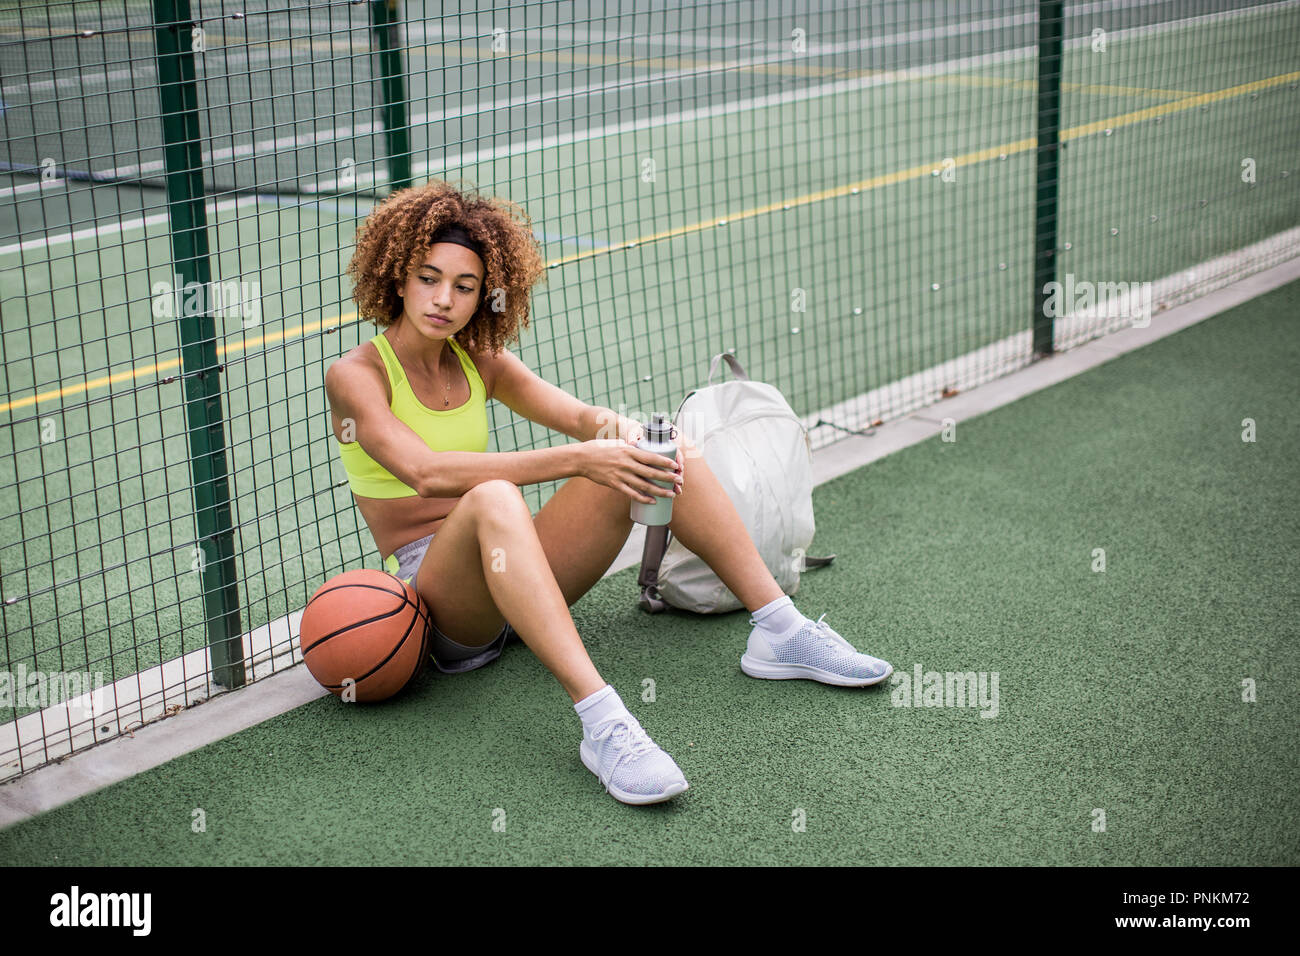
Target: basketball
column 364, row 635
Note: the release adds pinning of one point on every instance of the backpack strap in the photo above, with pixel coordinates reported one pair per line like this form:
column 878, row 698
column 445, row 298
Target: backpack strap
column 656, row 544
column 736, row 371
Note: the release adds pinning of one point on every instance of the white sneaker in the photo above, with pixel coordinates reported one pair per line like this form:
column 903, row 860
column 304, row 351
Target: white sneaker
column 629, row 764
column 814, row 652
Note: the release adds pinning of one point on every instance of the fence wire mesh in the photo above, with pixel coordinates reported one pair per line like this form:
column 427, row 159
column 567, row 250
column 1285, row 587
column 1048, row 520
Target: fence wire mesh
column 848, row 196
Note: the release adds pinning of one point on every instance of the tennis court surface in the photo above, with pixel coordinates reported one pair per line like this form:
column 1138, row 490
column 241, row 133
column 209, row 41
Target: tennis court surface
column 1144, row 714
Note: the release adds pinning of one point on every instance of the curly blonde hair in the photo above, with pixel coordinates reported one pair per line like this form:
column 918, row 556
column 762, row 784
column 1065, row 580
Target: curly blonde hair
column 398, row 233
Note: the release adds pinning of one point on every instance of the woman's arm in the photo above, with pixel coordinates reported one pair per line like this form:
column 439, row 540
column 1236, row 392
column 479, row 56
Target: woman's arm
column 359, row 411
column 596, row 421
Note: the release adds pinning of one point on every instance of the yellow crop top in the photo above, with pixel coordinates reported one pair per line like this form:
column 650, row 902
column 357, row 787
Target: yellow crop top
column 464, row 428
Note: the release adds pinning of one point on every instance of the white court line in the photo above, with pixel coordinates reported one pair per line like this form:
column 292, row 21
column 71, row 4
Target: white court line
column 420, row 119
column 605, row 88
column 725, row 42
column 36, row 187
column 426, row 33
column 664, row 76
column 142, row 72
column 686, row 39
column 752, row 104
column 996, row 23
column 741, row 106
column 904, row 38
column 317, row 138
column 147, row 71
column 114, row 228
column 92, row 79
column 103, row 26
column 214, row 208
column 273, row 648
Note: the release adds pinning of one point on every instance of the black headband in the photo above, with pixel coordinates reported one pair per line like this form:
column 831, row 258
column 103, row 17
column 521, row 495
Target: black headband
column 455, row 232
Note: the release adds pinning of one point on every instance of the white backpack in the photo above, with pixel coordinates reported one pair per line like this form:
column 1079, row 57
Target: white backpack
column 759, row 450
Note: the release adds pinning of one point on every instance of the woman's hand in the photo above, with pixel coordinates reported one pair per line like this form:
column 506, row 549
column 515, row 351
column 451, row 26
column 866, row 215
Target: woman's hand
column 620, row 465
column 632, row 432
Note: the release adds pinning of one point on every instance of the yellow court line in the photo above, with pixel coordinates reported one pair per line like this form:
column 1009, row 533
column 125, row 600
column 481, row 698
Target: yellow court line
column 886, row 179
column 223, row 353
column 875, row 182
column 86, row 386
column 284, row 335
column 1103, row 90
column 1187, row 103
column 1032, row 86
column 926, row 169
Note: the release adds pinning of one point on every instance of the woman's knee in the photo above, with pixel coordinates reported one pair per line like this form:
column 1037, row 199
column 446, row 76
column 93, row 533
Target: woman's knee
column 496, row 496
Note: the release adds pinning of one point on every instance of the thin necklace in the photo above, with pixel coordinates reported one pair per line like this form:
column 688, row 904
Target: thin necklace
column 446, row 400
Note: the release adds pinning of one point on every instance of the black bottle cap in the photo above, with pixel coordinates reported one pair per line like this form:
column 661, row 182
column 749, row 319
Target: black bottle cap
column 660, row 428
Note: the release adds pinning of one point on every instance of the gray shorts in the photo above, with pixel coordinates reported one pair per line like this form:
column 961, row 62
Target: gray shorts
column 448, row 656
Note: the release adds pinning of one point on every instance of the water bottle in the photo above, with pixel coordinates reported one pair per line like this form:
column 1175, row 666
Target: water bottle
column 657, row 437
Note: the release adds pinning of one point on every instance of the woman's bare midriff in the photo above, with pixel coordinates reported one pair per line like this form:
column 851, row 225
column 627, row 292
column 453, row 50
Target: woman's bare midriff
column 398, row 521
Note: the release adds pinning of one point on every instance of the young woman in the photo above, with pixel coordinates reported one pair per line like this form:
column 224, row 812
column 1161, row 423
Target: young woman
column 446, row 276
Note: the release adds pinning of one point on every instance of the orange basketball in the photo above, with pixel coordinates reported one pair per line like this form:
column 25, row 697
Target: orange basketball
column 367, row 627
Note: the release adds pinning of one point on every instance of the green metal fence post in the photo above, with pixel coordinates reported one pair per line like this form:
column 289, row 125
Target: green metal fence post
column 176, row 39
column 1046, row 190
column 386, row 22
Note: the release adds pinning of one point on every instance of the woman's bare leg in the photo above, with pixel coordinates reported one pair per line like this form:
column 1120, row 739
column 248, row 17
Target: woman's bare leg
column 706, row 522
column 512, row 580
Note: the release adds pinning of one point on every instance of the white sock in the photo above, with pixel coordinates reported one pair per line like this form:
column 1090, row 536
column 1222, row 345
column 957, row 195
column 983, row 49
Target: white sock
column 598, row 706
column 778, row 619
